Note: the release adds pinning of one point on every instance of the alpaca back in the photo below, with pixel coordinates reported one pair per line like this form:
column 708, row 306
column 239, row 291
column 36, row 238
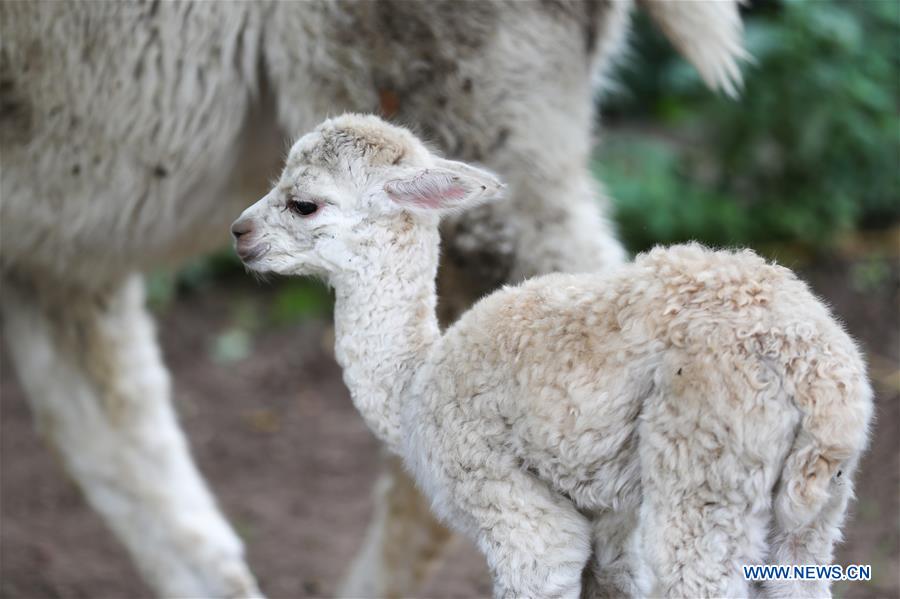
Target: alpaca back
column 566, row 364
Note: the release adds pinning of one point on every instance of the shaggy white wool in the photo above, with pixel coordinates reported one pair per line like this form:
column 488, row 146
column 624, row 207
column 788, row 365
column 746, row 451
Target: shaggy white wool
column 696, row 397
column 120, row 448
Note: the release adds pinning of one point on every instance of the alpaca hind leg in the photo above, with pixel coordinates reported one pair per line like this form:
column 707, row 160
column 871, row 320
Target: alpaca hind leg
column 91, row 368
column 705, row 508
column 694, row 546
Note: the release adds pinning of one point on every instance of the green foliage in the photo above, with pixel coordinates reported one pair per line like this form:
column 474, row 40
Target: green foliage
column 164, row 285
column 811, row 149
column 291, row 300
column 300, row 299
column 655, row 203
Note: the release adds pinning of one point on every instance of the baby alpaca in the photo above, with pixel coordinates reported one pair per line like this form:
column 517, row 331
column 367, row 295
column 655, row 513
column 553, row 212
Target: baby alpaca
column 705, row 396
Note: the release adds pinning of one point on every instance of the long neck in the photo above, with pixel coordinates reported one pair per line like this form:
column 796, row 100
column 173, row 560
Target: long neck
column 385, row 326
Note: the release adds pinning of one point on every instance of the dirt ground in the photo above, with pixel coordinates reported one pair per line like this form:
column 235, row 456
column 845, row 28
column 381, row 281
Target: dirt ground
column 293, row 465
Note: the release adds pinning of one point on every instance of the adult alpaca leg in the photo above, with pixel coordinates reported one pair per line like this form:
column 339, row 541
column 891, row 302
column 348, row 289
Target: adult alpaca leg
column 90, row 365
column 403, row 542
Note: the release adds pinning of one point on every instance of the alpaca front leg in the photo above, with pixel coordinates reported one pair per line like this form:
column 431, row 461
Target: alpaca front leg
column 403, row 542
column 90, row 365
column 536, row 543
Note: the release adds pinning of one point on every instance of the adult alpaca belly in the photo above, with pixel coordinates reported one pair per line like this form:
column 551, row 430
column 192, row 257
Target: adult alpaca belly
column 120, row 128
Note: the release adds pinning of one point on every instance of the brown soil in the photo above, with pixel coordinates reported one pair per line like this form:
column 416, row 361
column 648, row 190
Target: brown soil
column 293, row 465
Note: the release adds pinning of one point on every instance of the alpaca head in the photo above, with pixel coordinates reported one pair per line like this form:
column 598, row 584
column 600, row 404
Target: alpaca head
column 349, row 190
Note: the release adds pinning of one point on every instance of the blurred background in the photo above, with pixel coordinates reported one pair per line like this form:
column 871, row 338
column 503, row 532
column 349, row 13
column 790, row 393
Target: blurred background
column 804, row 167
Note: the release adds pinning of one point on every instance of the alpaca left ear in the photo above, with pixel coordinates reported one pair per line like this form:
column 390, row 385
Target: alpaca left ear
column 448, row 185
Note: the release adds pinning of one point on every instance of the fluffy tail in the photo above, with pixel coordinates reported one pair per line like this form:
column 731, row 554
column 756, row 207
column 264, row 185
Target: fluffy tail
column 709, row 33
column 817, row 477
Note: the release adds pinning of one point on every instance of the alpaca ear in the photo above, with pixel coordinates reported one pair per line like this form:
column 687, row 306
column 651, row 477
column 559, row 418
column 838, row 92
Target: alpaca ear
column 448, row 185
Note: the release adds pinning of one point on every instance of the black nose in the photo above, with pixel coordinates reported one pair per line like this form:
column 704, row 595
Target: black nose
column 241, row 227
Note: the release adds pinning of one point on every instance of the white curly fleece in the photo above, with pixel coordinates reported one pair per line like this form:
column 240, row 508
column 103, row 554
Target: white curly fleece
column 702, row 396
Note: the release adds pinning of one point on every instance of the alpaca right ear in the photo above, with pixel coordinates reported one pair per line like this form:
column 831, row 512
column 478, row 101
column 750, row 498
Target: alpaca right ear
column 449, row 185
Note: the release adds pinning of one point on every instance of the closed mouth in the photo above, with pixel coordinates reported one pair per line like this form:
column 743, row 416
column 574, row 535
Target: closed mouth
column 249, row 254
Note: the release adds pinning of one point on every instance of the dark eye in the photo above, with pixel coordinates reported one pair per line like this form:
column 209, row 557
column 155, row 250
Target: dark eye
column 302, row 207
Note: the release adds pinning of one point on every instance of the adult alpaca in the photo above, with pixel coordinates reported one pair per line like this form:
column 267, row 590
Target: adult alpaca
column 121, row 124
